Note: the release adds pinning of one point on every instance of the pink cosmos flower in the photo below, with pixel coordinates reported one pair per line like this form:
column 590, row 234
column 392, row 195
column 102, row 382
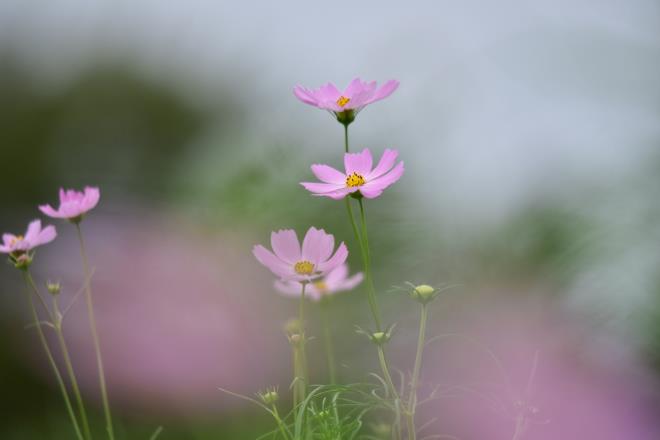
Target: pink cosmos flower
column 35, row 236
column 354, row 98
column 359, row 176
column 73, row 204
column 337, row 280
column 291, row 263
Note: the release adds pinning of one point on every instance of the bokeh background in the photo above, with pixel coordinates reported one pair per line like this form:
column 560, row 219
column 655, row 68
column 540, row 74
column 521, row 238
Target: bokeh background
column 532, row 146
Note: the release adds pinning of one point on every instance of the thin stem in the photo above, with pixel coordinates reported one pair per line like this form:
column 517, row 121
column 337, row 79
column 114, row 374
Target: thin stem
column 70, row 371
column 280, row 424
column 412, row 400
column 303, row 342
column 346, row 138
column 56, row 319
column 95, row 336
column 373, row 303
column 386, row 372
column 51, row 360
column 329, row 346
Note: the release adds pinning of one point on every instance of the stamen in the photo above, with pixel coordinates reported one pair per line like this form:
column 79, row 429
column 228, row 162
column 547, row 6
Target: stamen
column 304, row 267
column 355, row 179
column 342, row 101
column 16, row 239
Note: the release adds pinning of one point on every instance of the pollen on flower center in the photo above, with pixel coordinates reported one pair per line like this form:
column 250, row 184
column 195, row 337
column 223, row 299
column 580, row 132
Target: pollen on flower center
column 342, row 101
column 304, row 267
column 16, row 240
column 354, row 179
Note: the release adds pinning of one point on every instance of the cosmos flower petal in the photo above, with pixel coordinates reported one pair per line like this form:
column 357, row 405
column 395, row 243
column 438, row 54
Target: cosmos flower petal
column 73, row 204
column 386, row 90
column 328, row 174
column 305, row 96
column 337, row 259
column 268, row 259
column 385, row 180
column 352, row 282
column 322, row 188
column 317, row 246
column 384, row 165
column 358, row 162
column 33, row 230
column 285, row 245
column 46, row 235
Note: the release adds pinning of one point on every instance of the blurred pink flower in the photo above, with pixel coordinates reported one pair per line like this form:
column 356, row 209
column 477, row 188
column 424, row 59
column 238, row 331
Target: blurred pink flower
column 337, row 280
column 290, row 262
column 359, row 176
column 35, row 236
column 73, row 204
column 355, row 97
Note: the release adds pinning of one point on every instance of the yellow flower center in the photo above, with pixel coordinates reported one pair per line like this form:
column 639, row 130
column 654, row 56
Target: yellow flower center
column 16, row 240
column 304, row 267
column 321, row 286
column 355, row 179
column 342, row 101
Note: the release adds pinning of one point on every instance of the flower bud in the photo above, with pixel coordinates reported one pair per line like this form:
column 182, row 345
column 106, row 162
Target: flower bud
column 21, row 261
column 53, row 288
column 292, row 326
column 270, row 396
column 423, row 293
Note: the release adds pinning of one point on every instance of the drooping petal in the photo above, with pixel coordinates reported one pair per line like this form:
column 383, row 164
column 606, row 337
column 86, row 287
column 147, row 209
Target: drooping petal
column 337, row 259
column 291, row 289
column 328, row 174
column 321, row 188
column 286, row 246
column 384, row 165
column 338, row 194
column 358, row 162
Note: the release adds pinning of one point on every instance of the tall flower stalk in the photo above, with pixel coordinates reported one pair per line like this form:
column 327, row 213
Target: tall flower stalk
column 94, row 332
column 412, row 398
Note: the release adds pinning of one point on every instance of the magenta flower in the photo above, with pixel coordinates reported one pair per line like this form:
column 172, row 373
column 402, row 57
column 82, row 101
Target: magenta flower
column 35, row 236
column 345, row 105
column 337, row 280
column 73, row 204
column 359, row 177
column 291, row 263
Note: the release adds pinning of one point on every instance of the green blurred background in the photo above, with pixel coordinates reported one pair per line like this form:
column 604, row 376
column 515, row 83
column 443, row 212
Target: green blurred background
column 531, row 141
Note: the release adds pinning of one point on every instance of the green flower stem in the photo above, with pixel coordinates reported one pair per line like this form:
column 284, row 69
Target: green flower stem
column 329, row 346
column 95, row 336
column 303, row 342
column 280, row 423
column 296, row 375
column 412, row 400
column 51, row 360
column 373, row 303
column 346, row 138
column 56, row 319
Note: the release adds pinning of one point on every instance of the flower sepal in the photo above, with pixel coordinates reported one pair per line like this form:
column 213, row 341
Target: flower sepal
column 346, row 117
column 378, row 337
column 21, row 260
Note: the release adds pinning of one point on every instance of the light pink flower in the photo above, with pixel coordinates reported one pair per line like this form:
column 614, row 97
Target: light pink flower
column 355, row 97
column 359, row 176
column 291, row 263
column 73, row 204
column 35, row 236
column 337, row 280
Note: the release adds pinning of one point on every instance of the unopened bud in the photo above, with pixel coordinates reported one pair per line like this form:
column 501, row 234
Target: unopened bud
column 292, row 326
column 22, row 261
column 53, row 288
column 269, row 397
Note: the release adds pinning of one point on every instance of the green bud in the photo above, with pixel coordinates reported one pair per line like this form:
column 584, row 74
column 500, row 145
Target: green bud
column 292, row 326
column 379, row 337
column 423, row 293
column 269, row 397
column 21, row 261
column 53, row 288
